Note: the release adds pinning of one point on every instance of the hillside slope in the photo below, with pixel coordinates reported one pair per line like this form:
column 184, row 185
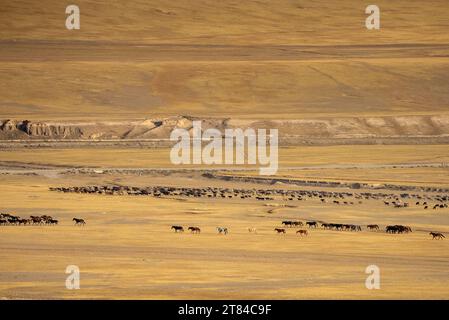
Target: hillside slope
column 228, row 22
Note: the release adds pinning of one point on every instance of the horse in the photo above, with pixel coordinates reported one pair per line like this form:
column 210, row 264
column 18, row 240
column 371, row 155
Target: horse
column 437, row 235
column 177, row 228
column 80, row 222
column 279, row 230
column 311, row 224
column 302, row 232
column 52, row 221
column 373, row 227
column 222, row 230
column 287, row 223
column 194, row 229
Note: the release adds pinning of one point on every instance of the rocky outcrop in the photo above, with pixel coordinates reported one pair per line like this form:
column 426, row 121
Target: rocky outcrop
column 11, row 129
column 39, row 129
column 318, row 131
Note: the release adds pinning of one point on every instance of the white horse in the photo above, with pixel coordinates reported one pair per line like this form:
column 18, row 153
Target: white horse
column 222, row 230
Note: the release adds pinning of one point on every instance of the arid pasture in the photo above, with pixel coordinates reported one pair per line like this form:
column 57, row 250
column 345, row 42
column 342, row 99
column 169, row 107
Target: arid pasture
column 127, row 249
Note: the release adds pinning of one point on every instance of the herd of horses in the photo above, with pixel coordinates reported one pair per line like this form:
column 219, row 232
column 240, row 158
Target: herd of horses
column 400, row 200
column 392, row 229
column 220, row 230
column 338, row 227
column 398, row 229
column 12, row 220
column 9, row 219
column 397, row 200
column 327, row 226
column 399, row 204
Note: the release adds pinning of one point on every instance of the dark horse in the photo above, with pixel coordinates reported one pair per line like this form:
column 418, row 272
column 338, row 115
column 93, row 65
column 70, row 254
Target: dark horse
column 373, row 227
column 279, row 230
column 194, row 229
column 287, row 223
column 437, row 235
column 178, row 228
column 79, row 222
column 311, row 224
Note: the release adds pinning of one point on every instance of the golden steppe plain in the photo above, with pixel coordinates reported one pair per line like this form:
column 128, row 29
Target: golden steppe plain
column 127, row 249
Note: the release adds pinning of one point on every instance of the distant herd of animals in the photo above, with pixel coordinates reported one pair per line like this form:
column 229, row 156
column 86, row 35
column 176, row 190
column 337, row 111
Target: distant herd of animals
column 392, row 229
column 332, row 197
column 425, row 205
column 9, row 219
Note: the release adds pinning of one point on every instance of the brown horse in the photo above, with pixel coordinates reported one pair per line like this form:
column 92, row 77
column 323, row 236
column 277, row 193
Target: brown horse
column 279, row 230
column 79, row 222
column 302, row 232
column 373, row 227
column 177, row 228
column 437, row 235
column 194, row 229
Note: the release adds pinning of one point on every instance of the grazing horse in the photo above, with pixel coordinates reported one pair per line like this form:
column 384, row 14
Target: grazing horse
column 194, row 229
column 252, row 230
column 373, row 227
column 79, row 222
column 222, row 230
column 302, row 232
column 279, row 230
column 437, row 235
column 312, row 224
column 177, row 228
